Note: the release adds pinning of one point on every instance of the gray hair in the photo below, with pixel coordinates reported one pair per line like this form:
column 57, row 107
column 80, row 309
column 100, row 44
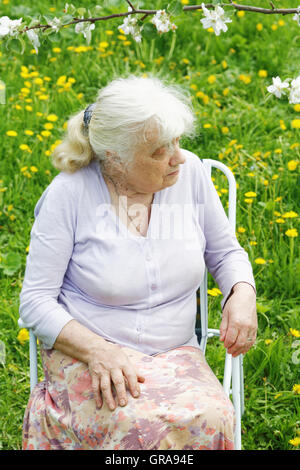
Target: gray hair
column 122, row 116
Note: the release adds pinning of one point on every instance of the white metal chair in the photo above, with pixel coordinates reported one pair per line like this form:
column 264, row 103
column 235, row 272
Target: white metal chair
column 233, row 370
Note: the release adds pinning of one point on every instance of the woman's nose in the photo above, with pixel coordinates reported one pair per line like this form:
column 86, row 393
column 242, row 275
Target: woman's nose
column 177, row 157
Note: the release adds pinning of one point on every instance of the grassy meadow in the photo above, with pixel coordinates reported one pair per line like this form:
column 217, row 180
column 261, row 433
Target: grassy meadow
column 239, row 123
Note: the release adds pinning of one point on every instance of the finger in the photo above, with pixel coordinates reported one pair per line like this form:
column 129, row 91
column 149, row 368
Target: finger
column 224, row 325
column 132, row 381
column 105, row 385
column 119, row 383
column 230, row 337
column 242, row 344
column 96, row 390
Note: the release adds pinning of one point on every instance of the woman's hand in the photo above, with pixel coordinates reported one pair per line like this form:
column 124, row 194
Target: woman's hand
column 109, row 364
column 239, row 320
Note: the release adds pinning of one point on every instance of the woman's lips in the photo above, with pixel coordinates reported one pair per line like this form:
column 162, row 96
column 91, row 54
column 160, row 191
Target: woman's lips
column 173, row 173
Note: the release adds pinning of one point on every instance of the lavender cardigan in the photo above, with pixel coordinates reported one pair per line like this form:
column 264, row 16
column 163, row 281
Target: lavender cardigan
column 84, row 264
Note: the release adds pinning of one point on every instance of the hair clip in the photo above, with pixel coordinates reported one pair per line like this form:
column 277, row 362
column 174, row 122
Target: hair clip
column 87, row 115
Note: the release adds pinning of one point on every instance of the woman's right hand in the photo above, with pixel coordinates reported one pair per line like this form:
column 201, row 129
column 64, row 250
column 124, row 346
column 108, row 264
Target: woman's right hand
column 108, row 365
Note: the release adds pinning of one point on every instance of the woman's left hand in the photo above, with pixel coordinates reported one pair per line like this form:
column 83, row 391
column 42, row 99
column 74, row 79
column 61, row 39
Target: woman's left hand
column 239, row 320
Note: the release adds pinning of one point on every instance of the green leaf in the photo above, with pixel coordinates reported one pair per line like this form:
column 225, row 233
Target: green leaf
column 81, row 11
column 65, row 19
column 33, row 22
column 54, row 37
column 175, row 8
column 71, row 9
column 262, row 308
column 149, row 31
column 95, row 11
column 16, row 44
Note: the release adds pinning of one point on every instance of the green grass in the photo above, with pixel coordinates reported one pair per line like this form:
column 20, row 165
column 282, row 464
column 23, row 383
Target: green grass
column 264, row 142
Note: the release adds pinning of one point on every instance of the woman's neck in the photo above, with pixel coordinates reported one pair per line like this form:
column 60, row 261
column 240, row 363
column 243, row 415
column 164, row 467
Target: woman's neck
column 117, row 180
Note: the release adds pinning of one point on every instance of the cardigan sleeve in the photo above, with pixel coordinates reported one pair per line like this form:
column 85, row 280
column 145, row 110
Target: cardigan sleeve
column 50, row 249
column 225, row 259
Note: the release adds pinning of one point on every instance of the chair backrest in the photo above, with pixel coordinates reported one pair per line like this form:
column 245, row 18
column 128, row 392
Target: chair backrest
column 202, row 329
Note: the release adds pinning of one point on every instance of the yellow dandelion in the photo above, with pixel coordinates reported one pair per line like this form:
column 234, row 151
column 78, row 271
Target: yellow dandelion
column 185, row 2
column 212, row 292
column 274, row 27
column 295, row 442
column 56, row 50
column 262, row 73
column 240, row 14
column 224, row 64
column 211, row 79
column 250, row 194
column 23, row 335
column 109, row 32
column 225, row 130
column 24, row 168
column 292, row 232
column 296, row 389
column 260, row 261
column 279, row 198
column 11, row 133
column 225, row 91
column 295, row 332
column 48, row 126
column 268, row 341
column 290, row 215
column 259, row 26
column 206, row 126
column 292, row 165
column 46, row 133
column 281, row 22
column 282, row 125
column 61, row 80
column 295, row 123
column 241, row 230
column 33, row 169
column 280, row 221
column 39, row 81
column 277, row 395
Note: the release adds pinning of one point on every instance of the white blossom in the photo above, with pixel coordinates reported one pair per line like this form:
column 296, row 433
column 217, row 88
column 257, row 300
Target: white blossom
column 162, row 22
column 34, row 38
column 9, row 27
column 85, row 28
column 130, row 26
column 296, row 17
column 215, row 19
column 55, row 24
column 295, row 91
column 278, row 87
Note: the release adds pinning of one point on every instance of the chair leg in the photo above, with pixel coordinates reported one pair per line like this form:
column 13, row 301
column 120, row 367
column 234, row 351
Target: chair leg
column 242, row 384
column 236, row 396
column 33, row 360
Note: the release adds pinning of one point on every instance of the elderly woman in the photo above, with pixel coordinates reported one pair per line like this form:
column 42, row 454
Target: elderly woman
column 118, row 249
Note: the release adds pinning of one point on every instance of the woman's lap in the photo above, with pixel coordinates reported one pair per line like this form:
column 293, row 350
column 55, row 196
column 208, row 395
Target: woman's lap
column 181, row 406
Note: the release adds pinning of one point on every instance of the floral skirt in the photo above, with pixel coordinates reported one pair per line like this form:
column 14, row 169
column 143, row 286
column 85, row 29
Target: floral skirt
column 181, row 406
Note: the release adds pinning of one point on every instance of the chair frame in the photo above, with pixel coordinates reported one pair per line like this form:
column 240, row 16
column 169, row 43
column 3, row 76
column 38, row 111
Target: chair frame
column 233, row 370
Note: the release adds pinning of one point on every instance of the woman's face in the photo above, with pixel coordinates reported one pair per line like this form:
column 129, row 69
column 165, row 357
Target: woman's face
column 152, row 165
